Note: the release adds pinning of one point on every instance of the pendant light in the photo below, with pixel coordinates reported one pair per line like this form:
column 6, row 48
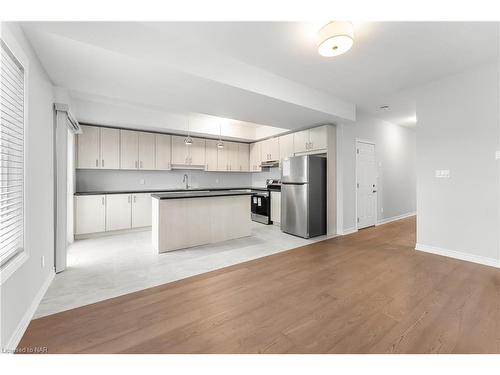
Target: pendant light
column 220, row 144
column 335, row 38
column 188, row 140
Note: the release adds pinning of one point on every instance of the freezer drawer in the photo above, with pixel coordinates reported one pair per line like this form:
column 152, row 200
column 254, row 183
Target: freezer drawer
column 294, row 209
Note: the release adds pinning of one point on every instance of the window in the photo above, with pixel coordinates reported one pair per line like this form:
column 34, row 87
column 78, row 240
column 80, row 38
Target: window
column 11, row 157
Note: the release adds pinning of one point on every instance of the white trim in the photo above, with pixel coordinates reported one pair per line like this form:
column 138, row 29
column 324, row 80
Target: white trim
column 85, row 236
column 26, row 319
column 339, row 171
column 458, row 255
column 347, row 231
column 394, row 218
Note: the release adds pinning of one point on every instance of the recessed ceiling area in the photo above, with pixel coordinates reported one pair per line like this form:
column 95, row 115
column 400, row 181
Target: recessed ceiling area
column 263, row 73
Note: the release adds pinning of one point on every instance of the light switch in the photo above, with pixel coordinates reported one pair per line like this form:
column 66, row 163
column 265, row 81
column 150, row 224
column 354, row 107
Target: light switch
column 497, row 155
column 442, row 173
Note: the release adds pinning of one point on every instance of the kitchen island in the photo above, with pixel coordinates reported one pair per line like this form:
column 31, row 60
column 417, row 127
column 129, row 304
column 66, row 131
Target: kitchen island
column 191, row 218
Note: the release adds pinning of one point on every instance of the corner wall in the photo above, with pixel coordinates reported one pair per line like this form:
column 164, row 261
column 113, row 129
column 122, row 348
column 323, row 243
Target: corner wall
column 22, row 291
column 458, row 130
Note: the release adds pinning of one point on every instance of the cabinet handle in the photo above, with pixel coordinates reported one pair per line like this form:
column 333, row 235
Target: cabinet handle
column 135, row 196
column 102, row 163
column 140, row 164
column 102, row 201
column 128, row 198
column 136, row 164
column 96, row 162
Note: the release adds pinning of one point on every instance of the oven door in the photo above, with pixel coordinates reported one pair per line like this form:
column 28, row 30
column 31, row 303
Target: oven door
column 260, row 207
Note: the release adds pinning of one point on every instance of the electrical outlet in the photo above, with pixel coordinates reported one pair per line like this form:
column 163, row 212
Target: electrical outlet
column 42, row 261
column 442, row 173
column 382, row 209
column 142, row 182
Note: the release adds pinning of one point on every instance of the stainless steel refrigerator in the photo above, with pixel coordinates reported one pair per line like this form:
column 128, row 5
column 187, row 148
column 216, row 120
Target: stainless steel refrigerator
column 303, row 196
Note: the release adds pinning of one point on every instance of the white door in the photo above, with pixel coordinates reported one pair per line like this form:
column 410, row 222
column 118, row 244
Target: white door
column 90, row 214
column 163, row 152
column 129, row 155
column 110, row 148
column 141, row 210
column 366, row 177
column 118, row 211
column 88, row 147
column 146, row 151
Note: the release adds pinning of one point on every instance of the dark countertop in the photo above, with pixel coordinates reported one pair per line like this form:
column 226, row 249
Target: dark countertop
column 165, row 190
column 200, row 194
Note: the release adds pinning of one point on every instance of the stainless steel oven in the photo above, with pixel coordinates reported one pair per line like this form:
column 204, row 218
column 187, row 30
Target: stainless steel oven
column 261, row 206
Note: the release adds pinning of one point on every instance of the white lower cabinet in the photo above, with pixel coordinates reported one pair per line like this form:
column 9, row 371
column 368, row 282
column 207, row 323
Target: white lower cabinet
column 104, row 213
column 141, row 210
column 118, row 211
column 90, row 214
column 276, row 207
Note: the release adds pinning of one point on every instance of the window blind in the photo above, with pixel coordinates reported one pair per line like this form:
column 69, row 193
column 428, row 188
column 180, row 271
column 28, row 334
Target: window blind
column 11, row 156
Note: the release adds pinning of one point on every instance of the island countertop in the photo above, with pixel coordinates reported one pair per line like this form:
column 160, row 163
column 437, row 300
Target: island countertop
column 202, row 194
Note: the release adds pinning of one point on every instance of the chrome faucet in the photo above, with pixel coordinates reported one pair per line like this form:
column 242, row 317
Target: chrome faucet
column 185, row 179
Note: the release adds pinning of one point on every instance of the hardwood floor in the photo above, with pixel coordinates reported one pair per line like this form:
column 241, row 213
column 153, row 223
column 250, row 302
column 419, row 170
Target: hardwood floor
column 368, row 292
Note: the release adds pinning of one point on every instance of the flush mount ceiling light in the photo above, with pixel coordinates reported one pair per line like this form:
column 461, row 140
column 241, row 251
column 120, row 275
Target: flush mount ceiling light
column 188, row 140
column 384, row 106
column 220, row 144
column 335, row 38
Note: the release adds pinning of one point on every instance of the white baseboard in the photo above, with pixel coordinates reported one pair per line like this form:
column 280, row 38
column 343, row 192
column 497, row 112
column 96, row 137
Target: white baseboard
column 394, row 218
column 347, row 231
column 492, row 262
column 25, row 321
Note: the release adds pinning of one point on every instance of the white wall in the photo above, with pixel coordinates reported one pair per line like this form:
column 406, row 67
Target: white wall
column 20, row 292
column 396, row 168
column 458, row 129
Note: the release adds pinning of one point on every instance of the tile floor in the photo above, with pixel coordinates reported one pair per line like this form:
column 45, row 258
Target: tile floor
column 107, row 267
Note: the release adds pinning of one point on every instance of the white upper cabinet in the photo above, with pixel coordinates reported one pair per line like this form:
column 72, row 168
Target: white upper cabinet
column 163, row 151
column 244, row 157
column 98, row 148
column 197, row 152
column 183, row 154
column 211, row 155
column 223, row 158
column 110, row 148
column 286, row 146
column 180, row 151
column 301, row 141
column 88, row 147
column 270, row 149
column 318, row 138
column 146, row 150
column 311, row 139
column 232, row 156
column 255, row 158
column 129, row 154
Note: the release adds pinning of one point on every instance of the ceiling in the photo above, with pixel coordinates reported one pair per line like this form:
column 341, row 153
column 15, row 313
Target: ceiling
column 265, row 73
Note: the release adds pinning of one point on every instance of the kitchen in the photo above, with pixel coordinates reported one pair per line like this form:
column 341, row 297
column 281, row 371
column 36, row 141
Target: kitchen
column 122, row 176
